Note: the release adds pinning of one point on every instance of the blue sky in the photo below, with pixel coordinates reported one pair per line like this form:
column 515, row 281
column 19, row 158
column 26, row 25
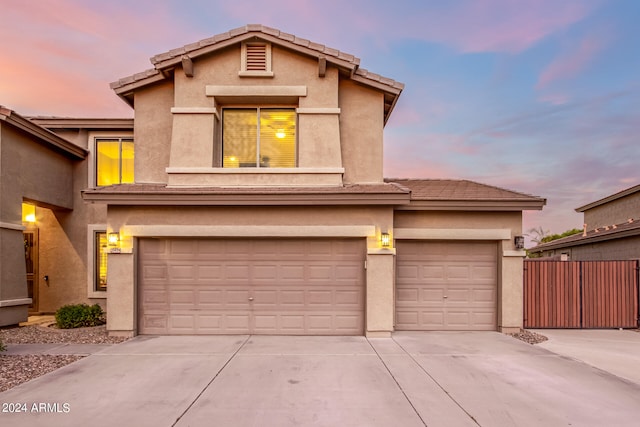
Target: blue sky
column 538, row 96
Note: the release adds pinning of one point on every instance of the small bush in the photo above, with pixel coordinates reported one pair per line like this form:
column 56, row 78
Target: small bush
column 79, row 315
column 2, row 347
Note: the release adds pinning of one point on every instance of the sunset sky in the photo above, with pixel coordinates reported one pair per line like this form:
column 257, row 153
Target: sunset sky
column 537, row 96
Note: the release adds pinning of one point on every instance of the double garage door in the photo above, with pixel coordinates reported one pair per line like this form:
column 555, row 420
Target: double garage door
column 446, row 286
column 251, row 286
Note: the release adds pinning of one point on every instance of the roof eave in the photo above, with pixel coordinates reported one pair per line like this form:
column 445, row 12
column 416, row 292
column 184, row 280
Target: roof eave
column 240, row 199
column 43, row 135
column 586, row 240
column 618, row 195
column 474, row 205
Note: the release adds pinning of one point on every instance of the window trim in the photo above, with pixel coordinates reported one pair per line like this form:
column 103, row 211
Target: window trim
column 257, row 108
column 93, row 152
column 92, row 230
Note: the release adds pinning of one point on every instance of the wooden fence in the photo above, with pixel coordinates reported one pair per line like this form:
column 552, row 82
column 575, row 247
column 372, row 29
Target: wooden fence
column 581, row 294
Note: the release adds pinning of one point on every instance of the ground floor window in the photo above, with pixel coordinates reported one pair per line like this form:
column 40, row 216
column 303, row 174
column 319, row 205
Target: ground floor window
column 101, row 249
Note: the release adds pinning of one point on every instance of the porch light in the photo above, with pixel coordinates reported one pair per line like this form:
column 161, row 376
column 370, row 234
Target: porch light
column 28, row 213
column 114, row 238
column 280, row 133
column 385, row 240
column 519, row 242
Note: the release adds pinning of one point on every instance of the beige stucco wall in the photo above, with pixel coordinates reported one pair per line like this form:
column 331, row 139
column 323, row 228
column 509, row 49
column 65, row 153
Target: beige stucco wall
column 53, row 183
column 336, row 118
column 152, row 132
column 361, row 132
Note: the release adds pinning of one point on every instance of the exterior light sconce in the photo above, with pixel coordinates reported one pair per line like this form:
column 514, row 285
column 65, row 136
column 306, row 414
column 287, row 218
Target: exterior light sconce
column 519, row 242
column 114, row 239
column 385, row 240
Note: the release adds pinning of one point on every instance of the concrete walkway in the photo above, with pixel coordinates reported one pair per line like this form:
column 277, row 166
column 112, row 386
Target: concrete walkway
column 412, row 379
column 62, row 348
column 612, row 350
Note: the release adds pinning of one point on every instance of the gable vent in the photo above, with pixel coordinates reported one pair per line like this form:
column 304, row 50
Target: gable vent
column 256, row 57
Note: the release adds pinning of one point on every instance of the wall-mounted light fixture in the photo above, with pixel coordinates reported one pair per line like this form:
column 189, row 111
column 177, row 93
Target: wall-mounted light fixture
column 385, row 239
column 28, row 213
column 114, row 238
column 519, row 242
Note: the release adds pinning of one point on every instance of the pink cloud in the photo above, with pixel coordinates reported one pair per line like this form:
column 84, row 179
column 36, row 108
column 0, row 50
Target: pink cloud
column 570, row 64
column 67, row 52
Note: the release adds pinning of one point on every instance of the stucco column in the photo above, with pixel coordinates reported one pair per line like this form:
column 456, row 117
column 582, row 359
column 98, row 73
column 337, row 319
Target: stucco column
column 121, row 294
column 380, row 298
column 511, row 308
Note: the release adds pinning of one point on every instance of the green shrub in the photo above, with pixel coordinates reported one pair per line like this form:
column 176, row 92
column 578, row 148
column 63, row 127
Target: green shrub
column 79, row 315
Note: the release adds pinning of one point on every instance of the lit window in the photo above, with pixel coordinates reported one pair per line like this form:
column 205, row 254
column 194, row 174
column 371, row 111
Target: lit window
column 114, row 161
column 259, row 137
column 101, row 250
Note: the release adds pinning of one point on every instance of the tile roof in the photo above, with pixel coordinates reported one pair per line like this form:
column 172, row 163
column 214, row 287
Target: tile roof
column 171, row 58
column 451, row 189
column 614, row 231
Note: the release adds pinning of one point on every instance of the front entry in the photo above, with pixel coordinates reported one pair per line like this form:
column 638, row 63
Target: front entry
column 31, row 261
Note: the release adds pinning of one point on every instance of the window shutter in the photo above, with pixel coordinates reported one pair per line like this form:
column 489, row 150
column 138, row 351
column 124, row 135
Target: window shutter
column 256, row 57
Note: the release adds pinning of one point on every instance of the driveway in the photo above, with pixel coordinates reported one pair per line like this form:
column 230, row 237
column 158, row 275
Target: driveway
column 412, row 379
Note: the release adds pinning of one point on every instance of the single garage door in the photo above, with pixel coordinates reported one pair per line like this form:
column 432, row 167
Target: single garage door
column 251, row 286
column 446, row 286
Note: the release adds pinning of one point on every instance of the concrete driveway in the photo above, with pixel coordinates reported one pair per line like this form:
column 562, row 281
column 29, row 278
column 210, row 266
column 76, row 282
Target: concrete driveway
column 412, row 379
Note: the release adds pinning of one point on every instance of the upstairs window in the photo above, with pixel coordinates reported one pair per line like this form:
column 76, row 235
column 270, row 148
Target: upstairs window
column 259, row 137
column 114, row 161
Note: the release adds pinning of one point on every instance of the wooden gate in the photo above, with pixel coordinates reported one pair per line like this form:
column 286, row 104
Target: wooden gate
column 581, row 294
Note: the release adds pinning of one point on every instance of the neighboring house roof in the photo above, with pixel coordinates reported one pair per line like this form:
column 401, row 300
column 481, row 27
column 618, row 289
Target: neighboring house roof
column 612, row 232
column 42, row 135
column 165, row 62
column 439, row 194
column 610, row 198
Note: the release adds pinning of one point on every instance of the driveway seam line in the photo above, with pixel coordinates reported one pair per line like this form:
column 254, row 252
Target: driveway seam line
column 436, row 381
column 210, row 382
column 397, row 383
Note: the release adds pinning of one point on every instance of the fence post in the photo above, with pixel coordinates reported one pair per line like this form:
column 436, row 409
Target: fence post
column 638, row 292
column 581, row 286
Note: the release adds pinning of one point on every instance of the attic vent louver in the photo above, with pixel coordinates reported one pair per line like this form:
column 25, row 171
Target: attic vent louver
column 256, row 60
column 256, row 57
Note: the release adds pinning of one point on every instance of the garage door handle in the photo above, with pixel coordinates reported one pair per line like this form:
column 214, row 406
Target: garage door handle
column 445, row 296
column 250, row 298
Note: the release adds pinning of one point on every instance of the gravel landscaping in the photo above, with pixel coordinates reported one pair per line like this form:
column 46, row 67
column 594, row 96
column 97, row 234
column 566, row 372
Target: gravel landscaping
column 529, row 337
column 17, row 369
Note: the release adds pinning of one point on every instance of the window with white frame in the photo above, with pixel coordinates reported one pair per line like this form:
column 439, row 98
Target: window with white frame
column 114, row 161
column 259, row 137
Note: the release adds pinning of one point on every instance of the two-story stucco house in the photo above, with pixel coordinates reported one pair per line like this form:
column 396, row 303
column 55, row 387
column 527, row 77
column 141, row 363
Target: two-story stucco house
column 247, row 196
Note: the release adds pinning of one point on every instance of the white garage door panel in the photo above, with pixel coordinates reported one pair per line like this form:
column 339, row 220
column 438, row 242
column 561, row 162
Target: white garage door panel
column 209, row 286
column 446, row 285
